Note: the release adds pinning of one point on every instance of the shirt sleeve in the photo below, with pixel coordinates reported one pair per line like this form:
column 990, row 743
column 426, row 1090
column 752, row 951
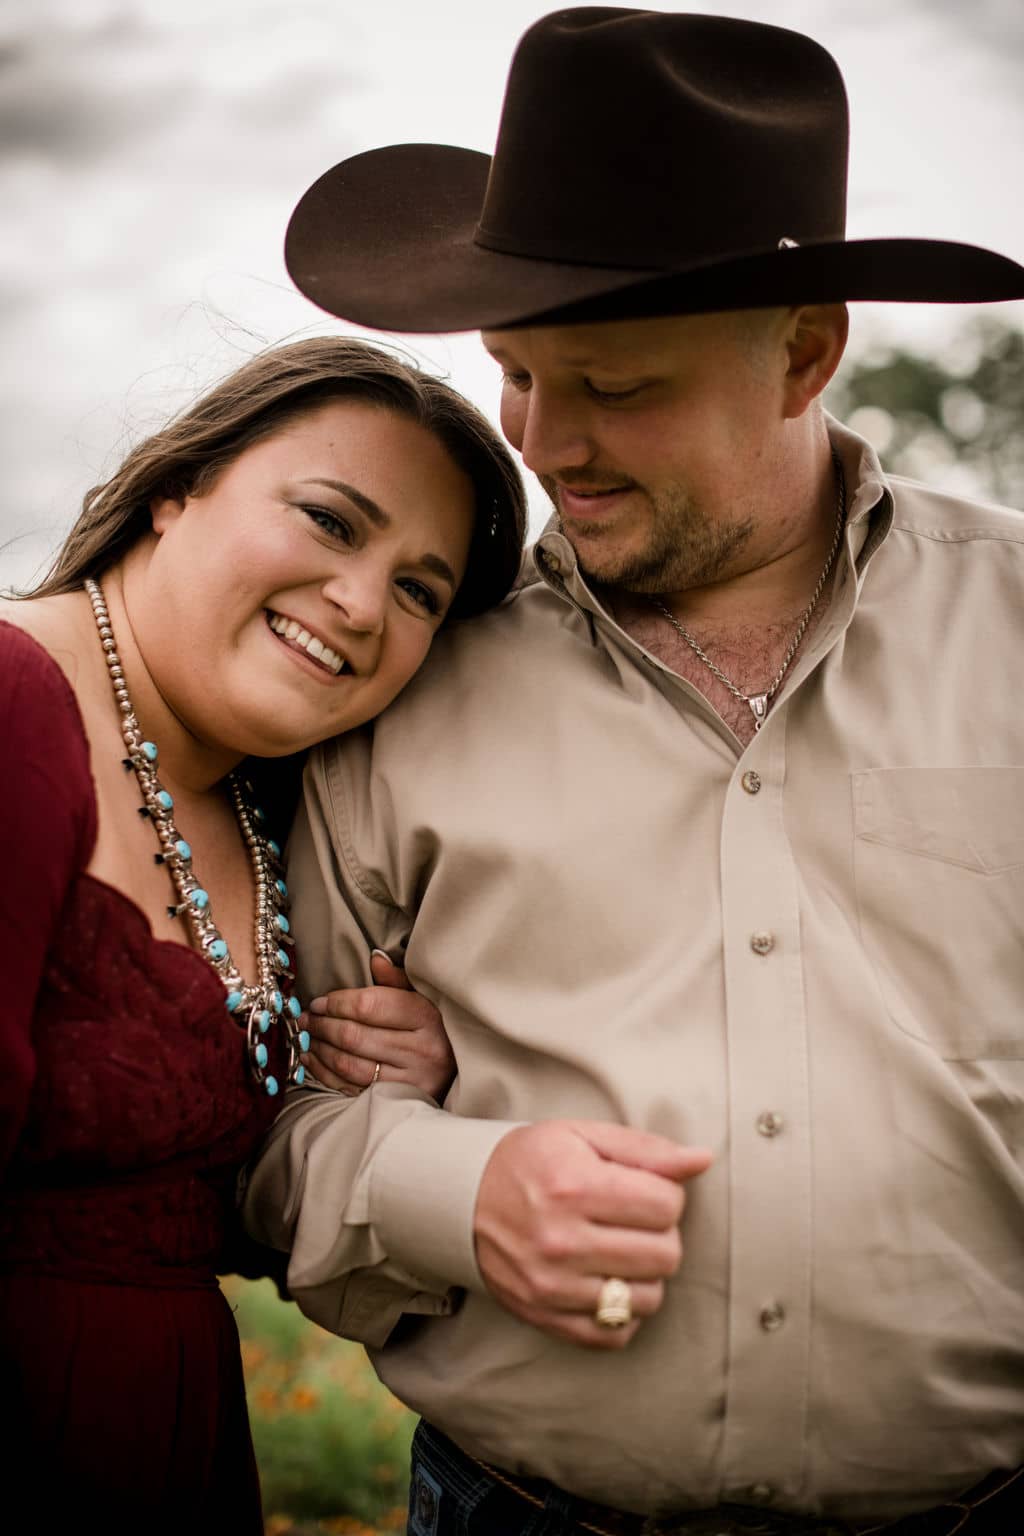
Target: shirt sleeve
column 47, row 829
column 374, row 1195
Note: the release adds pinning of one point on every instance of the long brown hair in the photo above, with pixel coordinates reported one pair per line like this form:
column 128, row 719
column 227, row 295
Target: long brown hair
column 185, row 457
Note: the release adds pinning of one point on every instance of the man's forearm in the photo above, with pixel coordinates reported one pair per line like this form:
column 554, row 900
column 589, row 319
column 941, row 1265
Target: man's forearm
column 374, row 1196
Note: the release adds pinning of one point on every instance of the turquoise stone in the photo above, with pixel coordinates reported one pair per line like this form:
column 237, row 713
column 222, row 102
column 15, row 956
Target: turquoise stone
column 258, row 814
column 274, row 847
column 294, row 1007
column 282, row 959
column 164, row 799
column 303, row 1039
column 276, row 1001
column 283, row 923
column 234, row 1002
column 218, row 950
column 300, row 1074
column 282, row 889
column 199, row 899
column 264, row 1021
column 271, row 1086
column 260, row 1054
column 182, row 849
column 149, row 750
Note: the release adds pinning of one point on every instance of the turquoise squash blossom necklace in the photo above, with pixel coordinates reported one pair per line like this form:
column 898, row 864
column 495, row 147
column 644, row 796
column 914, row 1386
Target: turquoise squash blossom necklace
column 257, row 1007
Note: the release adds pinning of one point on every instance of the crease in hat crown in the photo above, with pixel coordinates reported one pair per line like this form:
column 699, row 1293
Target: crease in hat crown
column 646, row 162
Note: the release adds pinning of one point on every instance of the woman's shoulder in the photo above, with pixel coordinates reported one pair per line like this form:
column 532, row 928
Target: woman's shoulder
column 38, row 666
column 43, row 633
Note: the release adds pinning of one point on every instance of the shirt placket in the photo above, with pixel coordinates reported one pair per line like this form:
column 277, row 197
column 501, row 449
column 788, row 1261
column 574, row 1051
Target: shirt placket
column 769, row 1305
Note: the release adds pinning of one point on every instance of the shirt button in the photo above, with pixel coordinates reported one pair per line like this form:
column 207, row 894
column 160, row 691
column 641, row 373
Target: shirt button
column 772, row 1317
column 751, row 781
column 769, row 1124
column 762, row 943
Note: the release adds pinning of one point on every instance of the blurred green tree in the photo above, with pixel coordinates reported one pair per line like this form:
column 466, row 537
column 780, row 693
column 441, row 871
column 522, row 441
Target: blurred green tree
column 955, row 418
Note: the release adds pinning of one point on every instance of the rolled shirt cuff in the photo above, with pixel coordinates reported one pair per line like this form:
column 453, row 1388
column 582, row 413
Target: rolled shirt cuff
column 423, row 1192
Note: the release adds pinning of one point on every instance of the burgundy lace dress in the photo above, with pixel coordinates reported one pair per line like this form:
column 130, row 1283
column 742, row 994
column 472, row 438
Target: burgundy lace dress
column 125, row 1113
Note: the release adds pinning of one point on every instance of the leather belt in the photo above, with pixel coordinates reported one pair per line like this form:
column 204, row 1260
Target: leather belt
column 993, row 1507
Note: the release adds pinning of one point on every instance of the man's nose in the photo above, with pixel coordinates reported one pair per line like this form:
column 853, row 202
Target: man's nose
column 555, row 435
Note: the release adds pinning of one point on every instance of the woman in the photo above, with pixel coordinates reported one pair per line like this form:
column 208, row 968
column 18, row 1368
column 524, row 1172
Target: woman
column 265, row 572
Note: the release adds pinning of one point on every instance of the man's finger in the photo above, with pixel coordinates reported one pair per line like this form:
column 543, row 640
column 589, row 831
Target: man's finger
column 642, row 1149
column 617, row 1196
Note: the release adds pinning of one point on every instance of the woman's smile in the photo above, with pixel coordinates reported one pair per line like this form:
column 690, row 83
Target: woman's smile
column 302, row 642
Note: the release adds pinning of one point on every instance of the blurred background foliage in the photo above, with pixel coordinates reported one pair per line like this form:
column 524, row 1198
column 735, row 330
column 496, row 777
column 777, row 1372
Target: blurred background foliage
column 332, row 1443
column 954, row 418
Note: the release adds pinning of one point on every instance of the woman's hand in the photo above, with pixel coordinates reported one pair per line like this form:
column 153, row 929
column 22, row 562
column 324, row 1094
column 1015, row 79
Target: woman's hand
column 386, row 1033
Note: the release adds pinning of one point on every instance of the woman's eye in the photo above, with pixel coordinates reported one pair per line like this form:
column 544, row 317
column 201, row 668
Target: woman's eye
column 422, row 595
column 330, row 523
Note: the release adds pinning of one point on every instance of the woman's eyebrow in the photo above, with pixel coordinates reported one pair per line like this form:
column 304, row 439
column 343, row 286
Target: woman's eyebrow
column 380, row 518
column 440, row 568
column 375, row 513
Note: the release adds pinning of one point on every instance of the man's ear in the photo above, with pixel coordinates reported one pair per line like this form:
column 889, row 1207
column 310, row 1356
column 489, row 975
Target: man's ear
column 165, row 510
column 815, row 343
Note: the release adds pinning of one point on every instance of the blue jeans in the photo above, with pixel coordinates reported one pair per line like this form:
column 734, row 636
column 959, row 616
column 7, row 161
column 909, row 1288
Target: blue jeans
column 450, row 1496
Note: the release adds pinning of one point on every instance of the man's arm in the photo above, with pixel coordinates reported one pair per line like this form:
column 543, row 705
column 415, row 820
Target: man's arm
column 350, row 1185
column 388, row 1203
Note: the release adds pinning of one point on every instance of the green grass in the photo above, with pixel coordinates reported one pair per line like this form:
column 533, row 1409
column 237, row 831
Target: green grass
column 332, row 1444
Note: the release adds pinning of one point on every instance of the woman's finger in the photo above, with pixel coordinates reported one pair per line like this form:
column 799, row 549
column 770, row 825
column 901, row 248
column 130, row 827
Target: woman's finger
column 386, row 974
column 383, row 1007
column 345, row 1074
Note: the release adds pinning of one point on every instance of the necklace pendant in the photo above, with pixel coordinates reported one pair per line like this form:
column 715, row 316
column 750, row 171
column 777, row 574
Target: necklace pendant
column 759, row 708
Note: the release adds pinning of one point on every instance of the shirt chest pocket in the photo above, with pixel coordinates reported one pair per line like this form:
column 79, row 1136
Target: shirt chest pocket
column 939, row 869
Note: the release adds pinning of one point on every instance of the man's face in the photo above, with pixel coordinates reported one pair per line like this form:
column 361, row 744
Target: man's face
column 655, row 439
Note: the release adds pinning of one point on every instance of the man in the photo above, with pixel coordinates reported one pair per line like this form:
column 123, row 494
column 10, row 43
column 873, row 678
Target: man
column 712, row 837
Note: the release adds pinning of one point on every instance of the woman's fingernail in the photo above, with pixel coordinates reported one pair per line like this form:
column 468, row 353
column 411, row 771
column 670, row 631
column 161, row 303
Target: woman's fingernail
column 318, row 1005
column 383, row 954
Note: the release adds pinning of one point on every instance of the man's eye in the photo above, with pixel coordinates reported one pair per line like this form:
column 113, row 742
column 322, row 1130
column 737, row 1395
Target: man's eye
column 611, row 395
column 517, row 381
column 330, row 523
column 422, row 595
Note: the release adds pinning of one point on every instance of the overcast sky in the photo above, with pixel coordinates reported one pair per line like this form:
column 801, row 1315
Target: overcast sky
column 151, row 151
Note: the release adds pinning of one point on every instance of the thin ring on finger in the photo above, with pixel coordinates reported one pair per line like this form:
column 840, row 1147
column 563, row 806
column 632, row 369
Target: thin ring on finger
column 376, row 1075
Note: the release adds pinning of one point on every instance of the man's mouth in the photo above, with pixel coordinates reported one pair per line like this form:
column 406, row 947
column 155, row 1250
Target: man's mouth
column 300, row 639
column 586, row 502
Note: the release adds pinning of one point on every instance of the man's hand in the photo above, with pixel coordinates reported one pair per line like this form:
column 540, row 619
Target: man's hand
column 563, row 1205
column 351, row 1031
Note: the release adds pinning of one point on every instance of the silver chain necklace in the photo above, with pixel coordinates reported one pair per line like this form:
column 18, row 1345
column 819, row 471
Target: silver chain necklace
column 255, row 1006
column 759, row 702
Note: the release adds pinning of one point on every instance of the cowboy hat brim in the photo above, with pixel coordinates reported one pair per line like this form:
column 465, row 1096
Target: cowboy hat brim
column 389, row 239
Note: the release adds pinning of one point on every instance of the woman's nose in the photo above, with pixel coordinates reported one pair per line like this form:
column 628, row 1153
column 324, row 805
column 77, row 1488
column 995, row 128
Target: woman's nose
column 361, row 596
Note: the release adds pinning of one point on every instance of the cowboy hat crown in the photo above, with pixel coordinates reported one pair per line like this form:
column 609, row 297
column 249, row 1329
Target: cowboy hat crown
column 646, row 163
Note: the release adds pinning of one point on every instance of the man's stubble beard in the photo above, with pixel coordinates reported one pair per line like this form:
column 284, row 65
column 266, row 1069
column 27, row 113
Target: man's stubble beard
column 684, row 549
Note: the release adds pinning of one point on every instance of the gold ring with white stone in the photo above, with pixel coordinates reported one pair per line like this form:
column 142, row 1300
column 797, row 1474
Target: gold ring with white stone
column 614, row 1304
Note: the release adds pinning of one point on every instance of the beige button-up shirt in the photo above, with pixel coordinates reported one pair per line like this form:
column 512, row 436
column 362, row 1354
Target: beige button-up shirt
column 806, row 954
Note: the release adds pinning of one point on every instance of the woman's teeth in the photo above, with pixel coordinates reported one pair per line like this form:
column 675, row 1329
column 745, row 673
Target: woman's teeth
column 290, row 629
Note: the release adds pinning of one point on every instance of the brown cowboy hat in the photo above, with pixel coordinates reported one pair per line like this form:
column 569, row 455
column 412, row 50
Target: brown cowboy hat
column 646, row 164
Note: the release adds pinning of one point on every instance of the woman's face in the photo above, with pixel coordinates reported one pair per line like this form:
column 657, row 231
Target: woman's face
column 297, row 596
